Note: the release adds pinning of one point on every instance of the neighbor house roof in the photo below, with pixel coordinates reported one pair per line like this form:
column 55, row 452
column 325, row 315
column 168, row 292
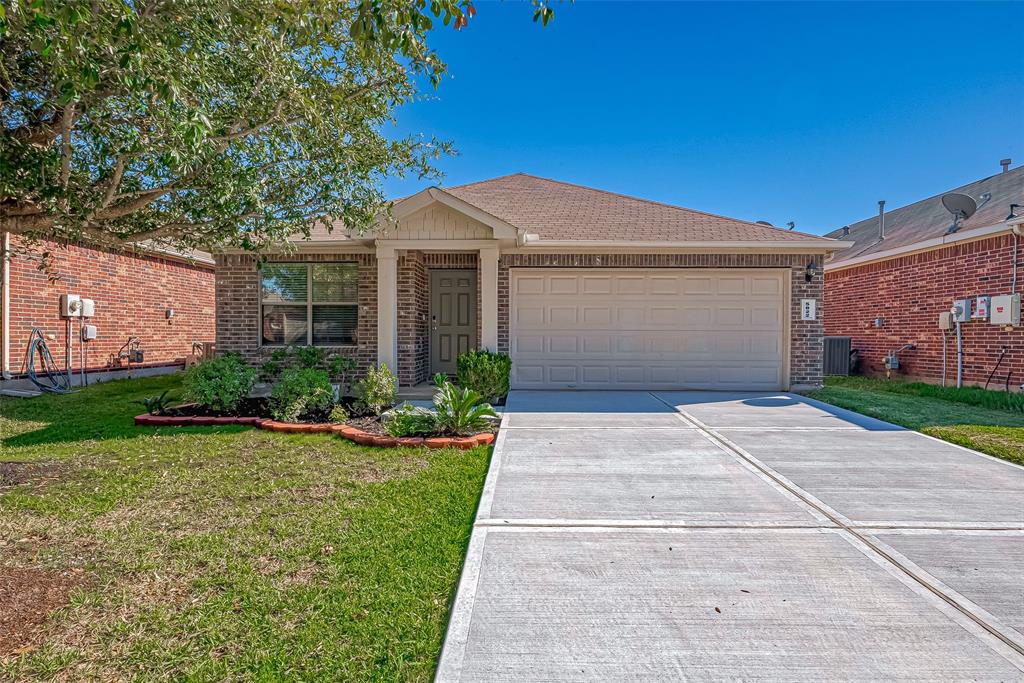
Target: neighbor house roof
column 554, row 211
column 926, row 223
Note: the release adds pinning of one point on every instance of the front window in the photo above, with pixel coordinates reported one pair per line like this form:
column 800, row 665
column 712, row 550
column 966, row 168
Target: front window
column 309, row 303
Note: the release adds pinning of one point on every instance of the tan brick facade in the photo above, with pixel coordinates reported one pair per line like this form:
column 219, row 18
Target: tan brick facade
column 238, row 301
column 238, row 306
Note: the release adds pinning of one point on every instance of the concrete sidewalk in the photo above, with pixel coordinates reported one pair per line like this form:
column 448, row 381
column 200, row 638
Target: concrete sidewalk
column 697, row 535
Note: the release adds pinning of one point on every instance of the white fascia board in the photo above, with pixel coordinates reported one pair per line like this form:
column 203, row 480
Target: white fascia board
column 925, row 245
column 311, row 247
column 788, row 245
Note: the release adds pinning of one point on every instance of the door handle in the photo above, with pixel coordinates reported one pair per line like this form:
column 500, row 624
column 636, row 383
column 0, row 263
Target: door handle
column 433, row 322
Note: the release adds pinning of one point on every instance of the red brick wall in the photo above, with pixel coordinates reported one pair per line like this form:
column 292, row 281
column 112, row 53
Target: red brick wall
column 132, row 293
column 909, row 292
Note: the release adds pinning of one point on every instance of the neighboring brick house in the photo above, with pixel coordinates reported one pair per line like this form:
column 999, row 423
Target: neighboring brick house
column 133, row 291
column 585, row 289
column 908, row 277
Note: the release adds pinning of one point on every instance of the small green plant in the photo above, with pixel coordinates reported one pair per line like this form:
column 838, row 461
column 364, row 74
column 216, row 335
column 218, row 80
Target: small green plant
column 302, row 394
column 486, row 373
column 309, row 356
column 338, row 414
column 411, row 421
column 377, row 391
column 157, row 405
column 460, row 411
column 219, row 384
column 342, row 369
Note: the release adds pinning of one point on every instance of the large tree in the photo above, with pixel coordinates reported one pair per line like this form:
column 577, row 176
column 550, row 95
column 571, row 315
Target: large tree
column 209, row 122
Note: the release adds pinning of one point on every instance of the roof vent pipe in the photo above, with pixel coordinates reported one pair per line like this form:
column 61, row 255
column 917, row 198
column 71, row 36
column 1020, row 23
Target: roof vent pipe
column 881, row 220
column 846, row 231
column 1005, row 163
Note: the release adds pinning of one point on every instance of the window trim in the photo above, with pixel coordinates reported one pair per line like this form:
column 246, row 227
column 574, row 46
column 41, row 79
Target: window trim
column 308, row 265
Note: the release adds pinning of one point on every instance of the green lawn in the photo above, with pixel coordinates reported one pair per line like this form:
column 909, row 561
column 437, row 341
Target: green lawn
column 220, row 553
column 990, row 422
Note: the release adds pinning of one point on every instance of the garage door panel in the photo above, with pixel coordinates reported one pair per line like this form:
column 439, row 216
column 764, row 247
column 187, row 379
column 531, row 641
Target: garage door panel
column 630, row 284
column 599, row 316
column 765, row 286
column 633, row 330
column 529, row 284
column 597, row 284
column 732, row 285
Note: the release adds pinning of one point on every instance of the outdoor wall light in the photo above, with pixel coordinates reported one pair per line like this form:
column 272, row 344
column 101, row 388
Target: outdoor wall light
column 811, row 271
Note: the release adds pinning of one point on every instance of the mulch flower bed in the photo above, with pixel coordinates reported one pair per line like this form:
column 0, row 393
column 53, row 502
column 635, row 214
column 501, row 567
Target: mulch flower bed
column 358, row 435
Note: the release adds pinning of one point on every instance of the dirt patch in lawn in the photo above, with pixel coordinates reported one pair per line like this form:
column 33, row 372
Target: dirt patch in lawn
column 35, row 473
column 27, row 596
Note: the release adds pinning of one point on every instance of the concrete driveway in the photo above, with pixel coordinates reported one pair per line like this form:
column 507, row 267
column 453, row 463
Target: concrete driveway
column 696, row 535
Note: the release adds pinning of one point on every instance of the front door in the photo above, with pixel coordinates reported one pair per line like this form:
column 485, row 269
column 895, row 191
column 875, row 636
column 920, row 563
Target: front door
column 452, row 317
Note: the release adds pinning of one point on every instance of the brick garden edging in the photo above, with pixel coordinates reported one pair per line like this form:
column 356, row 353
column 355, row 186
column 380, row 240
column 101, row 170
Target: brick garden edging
column 353, row 434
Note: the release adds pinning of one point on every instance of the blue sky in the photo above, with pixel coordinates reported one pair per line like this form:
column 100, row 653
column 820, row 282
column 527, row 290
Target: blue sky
column 803, row 112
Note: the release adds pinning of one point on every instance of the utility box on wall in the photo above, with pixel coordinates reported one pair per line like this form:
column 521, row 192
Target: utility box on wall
column 1006, row 310
column 961, row 310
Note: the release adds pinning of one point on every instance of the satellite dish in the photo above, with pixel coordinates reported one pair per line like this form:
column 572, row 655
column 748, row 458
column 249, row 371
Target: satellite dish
column 960, row 205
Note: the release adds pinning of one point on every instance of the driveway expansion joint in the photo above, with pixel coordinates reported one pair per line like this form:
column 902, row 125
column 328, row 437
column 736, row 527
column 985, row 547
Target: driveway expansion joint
column 863, row 541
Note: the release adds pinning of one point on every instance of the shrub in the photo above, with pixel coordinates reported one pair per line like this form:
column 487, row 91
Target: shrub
column 342, row 369
column 157, row 405
column 309, row 357
column 219, row 384
column 460, row 411
column 302, row 394
column 273, row 367
column 338, row 414
column 485, row 373
column 377, row 391
column 410, row 421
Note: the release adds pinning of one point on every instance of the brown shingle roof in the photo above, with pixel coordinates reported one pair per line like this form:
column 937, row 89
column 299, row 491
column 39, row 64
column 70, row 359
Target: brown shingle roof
column 559, row 211
column 928, row 219
column 556, row 210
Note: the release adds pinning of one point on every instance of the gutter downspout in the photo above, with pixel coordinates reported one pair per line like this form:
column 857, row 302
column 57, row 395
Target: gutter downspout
column 5, row 307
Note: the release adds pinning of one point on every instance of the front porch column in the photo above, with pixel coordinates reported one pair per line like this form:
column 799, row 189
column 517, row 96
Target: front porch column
column 489, row 298
column 387, row 307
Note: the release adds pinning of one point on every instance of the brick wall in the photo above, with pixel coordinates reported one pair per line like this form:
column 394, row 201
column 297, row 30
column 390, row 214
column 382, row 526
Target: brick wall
column 238, row 309
column 909, row 292
column 806, row 344
column 413, row 319
column 132, row 293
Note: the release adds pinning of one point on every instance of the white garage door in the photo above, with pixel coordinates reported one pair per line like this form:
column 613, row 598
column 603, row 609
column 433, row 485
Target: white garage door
column 659, row 328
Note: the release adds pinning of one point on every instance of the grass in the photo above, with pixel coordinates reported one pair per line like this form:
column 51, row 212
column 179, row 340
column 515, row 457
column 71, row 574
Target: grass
column 987, row 421
column 228, row 553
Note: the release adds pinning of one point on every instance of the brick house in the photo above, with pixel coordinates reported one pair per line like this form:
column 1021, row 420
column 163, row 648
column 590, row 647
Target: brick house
column 888, row 291
column 585, row 289
column 134, row 294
